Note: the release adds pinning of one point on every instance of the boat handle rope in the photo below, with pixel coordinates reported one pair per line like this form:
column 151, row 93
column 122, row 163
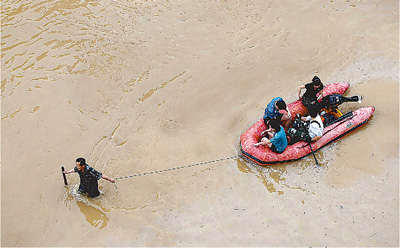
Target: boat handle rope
column 175, row 168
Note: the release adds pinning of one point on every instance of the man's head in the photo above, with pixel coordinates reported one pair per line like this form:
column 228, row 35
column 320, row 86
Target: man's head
column 281, row 105
column 80, row 163
column 316, row 82
column 275, row 124
column 313, row 111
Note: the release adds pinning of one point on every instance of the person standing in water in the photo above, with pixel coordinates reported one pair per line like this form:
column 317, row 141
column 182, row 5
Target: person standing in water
column 88, row 177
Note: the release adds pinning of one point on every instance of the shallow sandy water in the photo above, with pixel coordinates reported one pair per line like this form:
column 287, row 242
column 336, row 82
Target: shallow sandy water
column 136, row 86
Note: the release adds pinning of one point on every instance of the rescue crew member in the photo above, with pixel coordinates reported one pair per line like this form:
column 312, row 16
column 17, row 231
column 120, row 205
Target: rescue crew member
column 88, row 177
column 310, row 98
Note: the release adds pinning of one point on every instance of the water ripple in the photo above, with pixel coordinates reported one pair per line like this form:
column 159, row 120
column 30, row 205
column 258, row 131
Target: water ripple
column 61, row 37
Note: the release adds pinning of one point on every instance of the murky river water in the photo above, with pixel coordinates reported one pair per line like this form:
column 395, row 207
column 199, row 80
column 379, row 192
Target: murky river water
column 141, row 86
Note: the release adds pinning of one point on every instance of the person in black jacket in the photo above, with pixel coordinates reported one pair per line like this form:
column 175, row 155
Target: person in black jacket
column 88, row 177
column 310, row 98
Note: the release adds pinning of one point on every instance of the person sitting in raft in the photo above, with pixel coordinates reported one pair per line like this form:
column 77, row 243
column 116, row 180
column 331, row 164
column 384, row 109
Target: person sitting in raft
column 88, row 177
column 278, row 110
column 310, row 98
column 275, row 137
column 309, row 132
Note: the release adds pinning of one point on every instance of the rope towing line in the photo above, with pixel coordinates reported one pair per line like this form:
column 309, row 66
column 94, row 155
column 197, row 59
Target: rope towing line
column 176, row 168
column 171, row 169
column 156, row 172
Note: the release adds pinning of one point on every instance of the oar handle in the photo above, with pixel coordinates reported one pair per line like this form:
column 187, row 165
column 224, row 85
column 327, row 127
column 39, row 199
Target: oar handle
column 65, row 178
column 316, row 161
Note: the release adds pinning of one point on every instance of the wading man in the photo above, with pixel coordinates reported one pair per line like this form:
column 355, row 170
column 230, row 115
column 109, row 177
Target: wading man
column 89, row 177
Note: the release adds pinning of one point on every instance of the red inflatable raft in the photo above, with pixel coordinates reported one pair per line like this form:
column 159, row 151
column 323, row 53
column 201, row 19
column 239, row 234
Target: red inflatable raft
column 343, row 125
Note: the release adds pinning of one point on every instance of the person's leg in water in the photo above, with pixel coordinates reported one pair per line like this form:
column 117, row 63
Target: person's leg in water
column 93, row 193
column 81, row 189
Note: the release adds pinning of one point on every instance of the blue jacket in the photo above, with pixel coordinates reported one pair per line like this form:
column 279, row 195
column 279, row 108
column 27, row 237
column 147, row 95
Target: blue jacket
column 279, row 140
column 271, row 111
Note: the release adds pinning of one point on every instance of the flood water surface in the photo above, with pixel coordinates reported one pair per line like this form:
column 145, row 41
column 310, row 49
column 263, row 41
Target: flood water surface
column 138, row 86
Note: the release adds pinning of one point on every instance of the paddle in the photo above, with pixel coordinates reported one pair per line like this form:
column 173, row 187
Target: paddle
column 316, row 161
column 307, row 137
column 65, row 178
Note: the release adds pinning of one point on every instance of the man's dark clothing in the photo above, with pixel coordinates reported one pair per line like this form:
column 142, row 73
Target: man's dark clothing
column 311, row 93
column 310, row 96
column 88, row 183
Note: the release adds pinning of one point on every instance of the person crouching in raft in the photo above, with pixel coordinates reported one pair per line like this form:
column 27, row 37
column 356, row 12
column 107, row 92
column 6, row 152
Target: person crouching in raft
column 275, row 137
column 88, row 177
column 277, row 109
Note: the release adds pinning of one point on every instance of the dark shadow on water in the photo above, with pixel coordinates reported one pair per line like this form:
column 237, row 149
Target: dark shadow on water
column 95, row 214
column 274, row 177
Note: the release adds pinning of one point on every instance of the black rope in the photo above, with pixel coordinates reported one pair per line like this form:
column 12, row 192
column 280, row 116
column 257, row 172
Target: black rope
column 175, row 168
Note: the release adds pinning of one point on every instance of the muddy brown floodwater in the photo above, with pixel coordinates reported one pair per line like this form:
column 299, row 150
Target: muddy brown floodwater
column 142, row 86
